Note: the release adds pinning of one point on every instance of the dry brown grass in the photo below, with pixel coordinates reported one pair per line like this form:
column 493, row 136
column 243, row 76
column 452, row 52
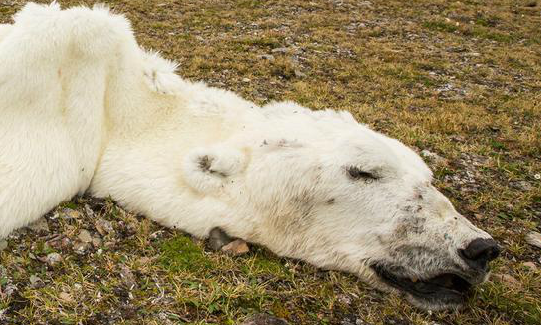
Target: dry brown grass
column 462, row 79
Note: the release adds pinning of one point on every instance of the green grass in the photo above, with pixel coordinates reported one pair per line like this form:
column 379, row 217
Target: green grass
column 181, row 254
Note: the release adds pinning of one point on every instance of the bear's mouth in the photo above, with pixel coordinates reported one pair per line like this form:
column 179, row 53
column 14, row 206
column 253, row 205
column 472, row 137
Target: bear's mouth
column 445, row 289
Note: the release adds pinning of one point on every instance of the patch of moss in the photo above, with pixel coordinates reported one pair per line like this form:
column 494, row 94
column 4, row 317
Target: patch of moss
column 440, row 26
column 181, row 254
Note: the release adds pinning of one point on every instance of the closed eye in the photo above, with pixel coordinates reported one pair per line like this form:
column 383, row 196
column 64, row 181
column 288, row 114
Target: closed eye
column 357, row 173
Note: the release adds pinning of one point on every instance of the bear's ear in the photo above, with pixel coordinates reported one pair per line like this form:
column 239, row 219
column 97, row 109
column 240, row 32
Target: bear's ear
column 207, row 169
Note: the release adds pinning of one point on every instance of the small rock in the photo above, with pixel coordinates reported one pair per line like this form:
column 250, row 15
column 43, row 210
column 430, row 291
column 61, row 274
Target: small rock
column 89, row 212
column 530, row 265
column 65, row 242
column 68, row 213
column 3, row 244
column 299, row 74
column 280, row 50
column 534, row 239
column 96, row 242
column 367, row 4
column 85, row 236
column 53, row 259
column 40, row 226
column 433, row 156
column 506, row 278
column 144, row 260
column 65, row 297
column 264, row 319
column 522, row 185
column 80, row 247
column 104, row 227
column 457, row 138
column 344, row 299
column 127, row 277
column 236, row 247
column 478, row 216
column 245, row 80
column 35, row 281
column 269, row 57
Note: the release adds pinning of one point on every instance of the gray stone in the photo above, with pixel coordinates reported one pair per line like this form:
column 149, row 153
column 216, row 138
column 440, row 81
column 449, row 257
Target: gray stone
column 522, row 185
column 299, row 74
column 269, row 57
column 89, row 212
column 85, row 236
column 264, row 319
column 53, row 259
column 534, row 239
column 81, row 247
column 104, row 227
column 280, row 50
column 35, row 281
column 433, row 157
column 68, row 213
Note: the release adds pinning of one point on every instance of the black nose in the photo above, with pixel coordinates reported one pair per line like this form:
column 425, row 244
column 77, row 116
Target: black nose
column 479, row 252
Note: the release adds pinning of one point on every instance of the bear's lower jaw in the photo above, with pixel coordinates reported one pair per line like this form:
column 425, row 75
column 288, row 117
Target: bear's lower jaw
column 444, row 291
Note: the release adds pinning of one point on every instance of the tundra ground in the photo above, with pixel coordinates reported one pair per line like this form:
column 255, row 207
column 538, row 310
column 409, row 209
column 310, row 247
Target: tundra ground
column 460, row 81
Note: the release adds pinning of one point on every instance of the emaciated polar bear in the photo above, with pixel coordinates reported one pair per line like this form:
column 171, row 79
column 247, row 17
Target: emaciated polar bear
column 83, row 107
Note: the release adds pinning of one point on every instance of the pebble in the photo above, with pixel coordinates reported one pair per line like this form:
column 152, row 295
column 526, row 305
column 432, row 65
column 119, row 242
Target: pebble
column 3, row 244
column 236, row 247
column 39, row 226
column 127, row 277
column 433, row 156
column 89, row 212
column 80, row 247
column 534, row 239
column 522, row 185
column 506, row 278
column 35, row 281
column 144, row 260
column 53, row 259
column 530, row 265
column 85, row 236
column 264, row 319
column 280, row 50
column 96, row 242
column 269, row 57
column 104, row 227
column 299, row 74
column 68, row 213
column 65, row 296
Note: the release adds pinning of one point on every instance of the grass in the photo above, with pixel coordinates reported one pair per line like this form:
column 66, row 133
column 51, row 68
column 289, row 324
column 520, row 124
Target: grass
column 461, row 79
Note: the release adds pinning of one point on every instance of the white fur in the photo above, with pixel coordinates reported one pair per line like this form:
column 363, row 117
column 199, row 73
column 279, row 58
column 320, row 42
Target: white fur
column 83, row 107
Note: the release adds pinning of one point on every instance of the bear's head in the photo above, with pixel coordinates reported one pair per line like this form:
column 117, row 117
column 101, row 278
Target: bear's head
column 320, row 187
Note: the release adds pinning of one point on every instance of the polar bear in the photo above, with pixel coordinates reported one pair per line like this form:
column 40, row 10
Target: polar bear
column 84, row 108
